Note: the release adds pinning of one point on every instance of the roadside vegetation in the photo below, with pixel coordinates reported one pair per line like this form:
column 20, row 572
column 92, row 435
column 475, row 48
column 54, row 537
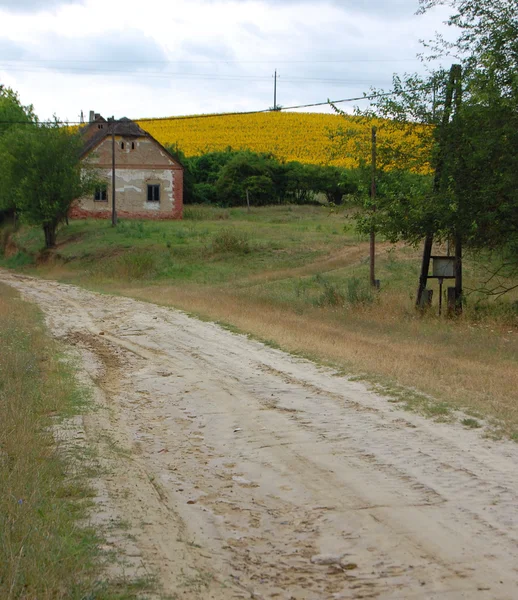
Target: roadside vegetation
column 44, row 553
column 47, row 549
column 297, row 277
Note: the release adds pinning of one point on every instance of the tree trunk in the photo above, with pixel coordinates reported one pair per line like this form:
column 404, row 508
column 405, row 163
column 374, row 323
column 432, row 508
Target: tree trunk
column 49, row 229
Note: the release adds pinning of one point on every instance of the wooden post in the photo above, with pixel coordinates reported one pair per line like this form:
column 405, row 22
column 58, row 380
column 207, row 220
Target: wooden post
column 425, row 268
column 373, row 202
column 453, row 83
column 247, row 200
column 114, row 212
column 458, row 274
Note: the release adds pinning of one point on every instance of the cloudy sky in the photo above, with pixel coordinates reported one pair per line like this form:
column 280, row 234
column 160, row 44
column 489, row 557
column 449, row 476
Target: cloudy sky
column 171, row 57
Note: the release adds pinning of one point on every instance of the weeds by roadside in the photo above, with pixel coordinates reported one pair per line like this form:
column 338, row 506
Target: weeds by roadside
column 47, row 551
column 43, row 552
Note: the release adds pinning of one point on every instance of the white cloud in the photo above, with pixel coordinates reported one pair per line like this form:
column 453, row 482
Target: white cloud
column 192, row 56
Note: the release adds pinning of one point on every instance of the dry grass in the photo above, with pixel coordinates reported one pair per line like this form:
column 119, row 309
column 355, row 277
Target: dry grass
column 43, row 552
column 466, row 366
column 47, row 552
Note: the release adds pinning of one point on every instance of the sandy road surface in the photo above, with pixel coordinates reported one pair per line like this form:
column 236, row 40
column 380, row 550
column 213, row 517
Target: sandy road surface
column 243, row 472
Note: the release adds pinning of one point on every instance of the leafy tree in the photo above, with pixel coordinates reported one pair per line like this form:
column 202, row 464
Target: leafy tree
column 247, row 171
column 12, row 113
column 40, row 166
column 472, row 152
column 12, row 116
column 188, row 175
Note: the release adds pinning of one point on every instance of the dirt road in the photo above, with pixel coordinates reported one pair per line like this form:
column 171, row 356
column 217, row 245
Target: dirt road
column 240, row 471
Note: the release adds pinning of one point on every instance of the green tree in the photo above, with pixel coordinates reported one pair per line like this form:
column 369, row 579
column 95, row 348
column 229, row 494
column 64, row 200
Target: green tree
column 12, row 116
column 12, row 113
column 40, row 167
column 472, row 151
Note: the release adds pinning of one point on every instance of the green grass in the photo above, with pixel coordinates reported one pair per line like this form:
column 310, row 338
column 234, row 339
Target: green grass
column 47, row 552
column 298, row 277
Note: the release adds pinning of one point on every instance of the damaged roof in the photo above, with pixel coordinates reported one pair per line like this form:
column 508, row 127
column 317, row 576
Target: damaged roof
column 123, row 127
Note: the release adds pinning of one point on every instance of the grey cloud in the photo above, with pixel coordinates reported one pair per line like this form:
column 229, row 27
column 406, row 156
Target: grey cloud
column 385, row 8
column 34, row 5
column 212, row 51
column 10, row 51
column 108, row 57
column 117, row 50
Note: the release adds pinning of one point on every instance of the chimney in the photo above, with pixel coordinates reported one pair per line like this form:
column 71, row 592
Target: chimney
column 91, row 117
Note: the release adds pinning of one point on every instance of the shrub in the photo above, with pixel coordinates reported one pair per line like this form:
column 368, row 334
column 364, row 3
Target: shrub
column 229, row 241
column 331, row 294
column 18, row 260
column 359, row 292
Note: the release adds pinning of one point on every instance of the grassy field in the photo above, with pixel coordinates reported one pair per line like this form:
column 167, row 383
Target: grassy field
column 47, row 550
column 296, row 277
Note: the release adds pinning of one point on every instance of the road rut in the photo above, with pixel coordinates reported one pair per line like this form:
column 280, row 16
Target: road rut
column 244, row 472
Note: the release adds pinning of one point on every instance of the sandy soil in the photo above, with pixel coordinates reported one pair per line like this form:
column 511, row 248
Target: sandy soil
column 243, row 472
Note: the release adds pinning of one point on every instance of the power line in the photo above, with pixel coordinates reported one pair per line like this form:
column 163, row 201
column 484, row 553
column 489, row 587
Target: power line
column 232, row 114
column 204, row 62
column 201, row 76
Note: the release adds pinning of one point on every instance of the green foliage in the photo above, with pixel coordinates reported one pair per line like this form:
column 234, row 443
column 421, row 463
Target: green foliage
column 223, row 178
column 12, row 113
column 472, row 145
column 13, row 116
column 41, row 168
column 19, row 260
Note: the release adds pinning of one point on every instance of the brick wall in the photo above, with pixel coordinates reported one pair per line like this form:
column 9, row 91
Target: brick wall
column 141, row 162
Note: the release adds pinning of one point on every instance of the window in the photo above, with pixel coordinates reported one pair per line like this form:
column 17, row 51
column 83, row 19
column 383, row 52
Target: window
column 99, row 126
column 122, row 145
column 153, row 193
column 100, row 194
column 133, row 145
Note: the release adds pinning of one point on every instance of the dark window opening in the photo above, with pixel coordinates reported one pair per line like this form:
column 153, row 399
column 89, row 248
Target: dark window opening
column 99, row 126
column 100, row 194
column 122, row 145
column 133, row 145
column 153, row 193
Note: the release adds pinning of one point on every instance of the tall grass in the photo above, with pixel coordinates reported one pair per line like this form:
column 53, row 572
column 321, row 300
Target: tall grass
column 44, row 554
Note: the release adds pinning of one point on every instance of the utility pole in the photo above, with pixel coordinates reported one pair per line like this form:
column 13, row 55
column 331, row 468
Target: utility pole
column 452, row 87
column 114, row 212
column 458, row 235
column 275, row 90
column 373, row 202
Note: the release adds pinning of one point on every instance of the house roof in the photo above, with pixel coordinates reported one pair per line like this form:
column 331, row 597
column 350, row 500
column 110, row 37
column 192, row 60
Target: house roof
column 123, row 127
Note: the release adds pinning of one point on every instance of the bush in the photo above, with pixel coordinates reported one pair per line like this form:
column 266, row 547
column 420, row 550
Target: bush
column 359, row 292
column 229, row 241
column 18, row 260
column 331, row 294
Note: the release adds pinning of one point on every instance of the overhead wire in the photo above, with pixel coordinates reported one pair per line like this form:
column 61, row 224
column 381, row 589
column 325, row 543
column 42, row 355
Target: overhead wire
column 236, row 113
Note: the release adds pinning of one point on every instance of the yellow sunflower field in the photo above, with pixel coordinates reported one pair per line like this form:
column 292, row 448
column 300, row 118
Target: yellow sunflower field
column 305, row 137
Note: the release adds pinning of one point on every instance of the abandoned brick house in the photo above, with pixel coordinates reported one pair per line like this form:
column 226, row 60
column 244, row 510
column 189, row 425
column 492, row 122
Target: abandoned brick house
column 148, row 180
